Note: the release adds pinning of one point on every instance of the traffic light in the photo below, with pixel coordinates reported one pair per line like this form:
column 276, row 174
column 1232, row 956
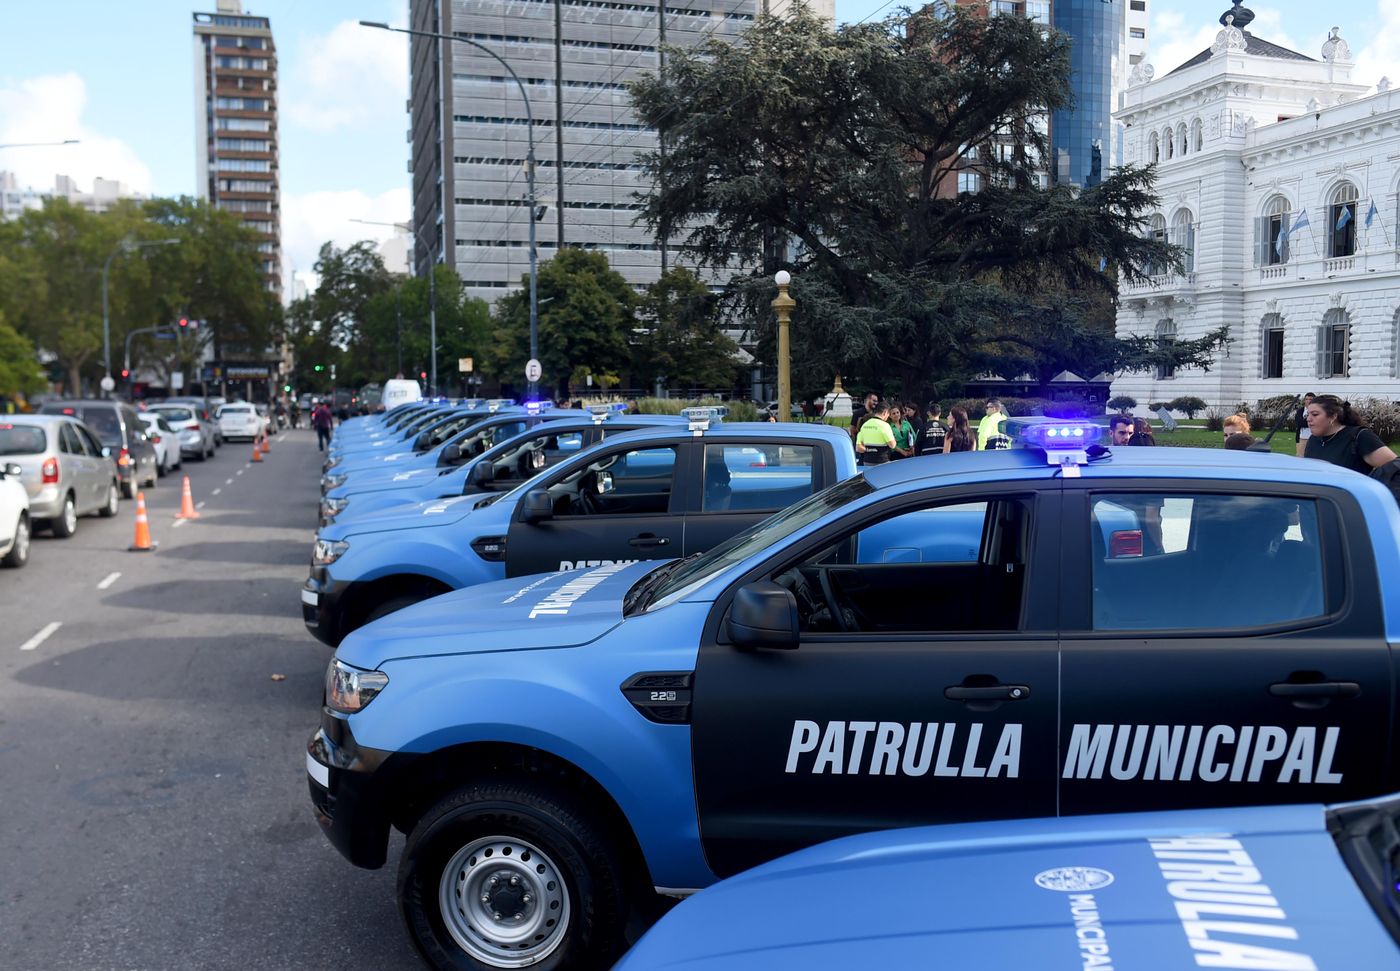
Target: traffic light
column 320, row 367
column 126, row 373
column 423, row 375
column 286, row 389
column 184, row 323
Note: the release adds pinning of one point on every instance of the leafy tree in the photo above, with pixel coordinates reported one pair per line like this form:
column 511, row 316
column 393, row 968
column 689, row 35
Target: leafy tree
column 1188, row 405
column 19, row 366
column 847, row 146
column 1122, row 402
column 586, row 313
column 679, row 337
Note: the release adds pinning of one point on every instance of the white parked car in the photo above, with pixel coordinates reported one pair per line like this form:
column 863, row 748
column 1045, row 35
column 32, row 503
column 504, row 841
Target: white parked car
column 164, row 438
column 239, row 420
column 14, row 516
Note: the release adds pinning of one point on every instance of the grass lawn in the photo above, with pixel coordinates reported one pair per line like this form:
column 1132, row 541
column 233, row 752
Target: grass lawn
column 1200, row 438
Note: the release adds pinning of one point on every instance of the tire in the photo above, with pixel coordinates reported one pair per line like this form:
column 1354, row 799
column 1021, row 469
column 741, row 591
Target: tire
column 394, row 604
column 67, row 522
column 504, row 830
column 19, row 550
column 128, row 490
column 163, row 468
column 110, row 509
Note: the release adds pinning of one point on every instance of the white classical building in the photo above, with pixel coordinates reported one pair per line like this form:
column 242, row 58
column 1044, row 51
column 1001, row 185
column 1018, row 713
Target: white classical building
column 1278, row 175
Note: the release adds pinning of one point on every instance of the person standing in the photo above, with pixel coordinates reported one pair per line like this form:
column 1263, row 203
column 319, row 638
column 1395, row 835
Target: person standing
column 960, row 437
column 903, row 432
column 1338, row 435
column 991, row 423
column 934, row 432
column 322, row 421
column 875, row 440
column 1301, row 420
column 1120, row 430
column 1142, row 433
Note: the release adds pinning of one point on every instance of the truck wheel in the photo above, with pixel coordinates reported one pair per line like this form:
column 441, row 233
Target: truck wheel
column 500, row 875
column 394, row 604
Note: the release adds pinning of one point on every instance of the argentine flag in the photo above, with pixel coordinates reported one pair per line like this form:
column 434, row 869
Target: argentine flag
column 1344, row 218
column 1371, row 213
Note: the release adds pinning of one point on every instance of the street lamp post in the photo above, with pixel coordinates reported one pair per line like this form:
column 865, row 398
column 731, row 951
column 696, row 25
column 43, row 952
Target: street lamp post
column 529, row 167
column 127, row 245
column 66, row 141
column 783, row 304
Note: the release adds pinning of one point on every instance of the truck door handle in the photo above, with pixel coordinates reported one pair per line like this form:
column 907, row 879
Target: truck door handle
column 991, row 692
column 647, row 540
column 1321, row 689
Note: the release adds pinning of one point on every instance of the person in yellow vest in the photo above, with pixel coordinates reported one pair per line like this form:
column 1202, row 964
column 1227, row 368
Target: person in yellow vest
column 875, row 440
column 991, row 423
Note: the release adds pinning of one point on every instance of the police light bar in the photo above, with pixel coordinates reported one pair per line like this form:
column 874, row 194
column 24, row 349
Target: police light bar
column 494, row 404
column 1064, row 442
column 472, row 402
column 701, row 418
column 601, row 413
column 535, row 407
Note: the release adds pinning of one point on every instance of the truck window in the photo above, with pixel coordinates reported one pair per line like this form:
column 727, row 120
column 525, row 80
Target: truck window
column 1240, row 561
column 753, row 478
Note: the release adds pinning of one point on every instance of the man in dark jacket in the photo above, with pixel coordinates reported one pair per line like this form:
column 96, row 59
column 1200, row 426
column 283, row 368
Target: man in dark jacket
column 322, row 421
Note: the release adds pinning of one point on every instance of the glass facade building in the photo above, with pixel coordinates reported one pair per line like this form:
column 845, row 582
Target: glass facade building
column 1081, row 136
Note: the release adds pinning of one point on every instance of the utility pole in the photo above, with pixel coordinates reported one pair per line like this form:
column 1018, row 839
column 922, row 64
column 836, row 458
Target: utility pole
column 559, row 120
column 664, row 228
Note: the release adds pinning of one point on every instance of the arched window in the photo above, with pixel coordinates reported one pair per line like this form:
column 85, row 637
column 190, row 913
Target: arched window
column 1198, row 136
column 1341, row 225
column 1271, row 233
column 1181, row 145
column 1184, row 235
column 1166, row 334
column 1271, row 346
column 1156, row 230
column 1168, row 145
column 1333, row 345
column 1154, row 149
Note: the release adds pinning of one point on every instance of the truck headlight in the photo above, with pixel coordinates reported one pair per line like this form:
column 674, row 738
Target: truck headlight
column 328, row 551
column 349, row 689
column 330, row 508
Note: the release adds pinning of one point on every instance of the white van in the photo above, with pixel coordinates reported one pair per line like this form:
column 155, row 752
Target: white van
column 400, row 391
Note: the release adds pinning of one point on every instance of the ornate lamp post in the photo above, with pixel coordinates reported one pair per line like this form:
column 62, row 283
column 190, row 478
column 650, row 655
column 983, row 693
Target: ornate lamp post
column 783, row 305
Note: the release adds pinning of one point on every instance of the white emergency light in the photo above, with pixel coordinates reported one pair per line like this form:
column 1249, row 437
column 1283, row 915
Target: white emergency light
column 495, row 404
column 700, row 419
column 602, row 413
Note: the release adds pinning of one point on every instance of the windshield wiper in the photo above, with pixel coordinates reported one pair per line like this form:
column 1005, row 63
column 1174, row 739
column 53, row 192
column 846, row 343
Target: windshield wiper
column 640, row 595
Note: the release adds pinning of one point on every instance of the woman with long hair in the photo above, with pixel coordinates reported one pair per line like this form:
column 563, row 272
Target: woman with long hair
column 1338, row 435
column 960, row 437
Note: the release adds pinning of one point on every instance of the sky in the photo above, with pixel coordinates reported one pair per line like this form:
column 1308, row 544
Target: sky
column 120, row 78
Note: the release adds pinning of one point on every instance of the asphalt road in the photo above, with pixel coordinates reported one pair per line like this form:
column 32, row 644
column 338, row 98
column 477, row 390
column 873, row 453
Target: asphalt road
column 153, row 800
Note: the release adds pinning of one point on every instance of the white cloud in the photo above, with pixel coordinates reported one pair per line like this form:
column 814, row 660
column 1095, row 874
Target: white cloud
column 315, row 218
column 1175, row 40
column 50, row 108
column 341, row 79
column 1381, row 57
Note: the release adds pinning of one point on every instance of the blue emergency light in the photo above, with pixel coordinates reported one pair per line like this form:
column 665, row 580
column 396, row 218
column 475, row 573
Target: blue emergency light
column 1065, row 443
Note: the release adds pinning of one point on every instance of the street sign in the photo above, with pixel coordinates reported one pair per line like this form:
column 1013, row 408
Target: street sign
column 107, row 383
column 177, row 380
column 533, row 370
column 165, row 335
column 464, row 364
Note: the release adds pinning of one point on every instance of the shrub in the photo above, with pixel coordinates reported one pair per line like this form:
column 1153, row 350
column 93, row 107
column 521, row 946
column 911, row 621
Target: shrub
column 1215, row 419
column 1188, row 405
column 738, row 410
column 1122, row 402
column 1382, row 416
column 1266, row 411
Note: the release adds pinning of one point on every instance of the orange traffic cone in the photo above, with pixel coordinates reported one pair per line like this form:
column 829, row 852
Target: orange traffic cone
column 267, row 443
column 257, row 452
column 187, row 510
column 142, row 543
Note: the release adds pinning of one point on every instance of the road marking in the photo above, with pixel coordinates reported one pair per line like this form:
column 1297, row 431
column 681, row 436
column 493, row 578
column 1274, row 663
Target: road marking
column 228, row 482
column 240, row 472
column 199, row 505
column 179, row 523
column 215, row 493
column 40, row 637
column 108, row 580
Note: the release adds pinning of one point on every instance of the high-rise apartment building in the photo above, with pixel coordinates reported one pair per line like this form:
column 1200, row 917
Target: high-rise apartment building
column 1082, row 135
column 235, row 70
column 468, row 128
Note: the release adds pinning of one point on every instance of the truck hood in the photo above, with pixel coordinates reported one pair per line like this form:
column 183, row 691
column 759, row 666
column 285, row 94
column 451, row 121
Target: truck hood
column 371, row 479
column 410, row 515
column 550, row 610
column 1072, row 893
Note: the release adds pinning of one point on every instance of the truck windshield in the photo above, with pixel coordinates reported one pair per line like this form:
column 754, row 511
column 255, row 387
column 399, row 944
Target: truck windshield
column 765, row 535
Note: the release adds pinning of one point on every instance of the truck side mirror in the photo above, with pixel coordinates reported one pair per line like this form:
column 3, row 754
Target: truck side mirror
column 484, row 473
column 536, row 506
column 452, row 454
column 764, row 615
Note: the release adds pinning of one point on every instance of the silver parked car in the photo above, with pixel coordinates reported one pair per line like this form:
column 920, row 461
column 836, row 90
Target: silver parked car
column 65, row 470
column 195, row 433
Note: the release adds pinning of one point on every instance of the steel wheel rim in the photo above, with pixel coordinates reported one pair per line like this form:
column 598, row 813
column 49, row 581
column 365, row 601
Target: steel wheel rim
column 22, row 540
column 111, row 503
column 70, row 514
column 478, row 879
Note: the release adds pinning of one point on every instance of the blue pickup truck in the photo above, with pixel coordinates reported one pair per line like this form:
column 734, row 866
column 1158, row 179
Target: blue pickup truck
column 654, row 492
column 1038, row 631
column 1307, row 888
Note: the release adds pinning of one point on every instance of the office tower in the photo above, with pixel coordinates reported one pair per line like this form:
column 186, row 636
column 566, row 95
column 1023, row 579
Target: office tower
column 468, row 129
column 1082, row 136
column 235, row 69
